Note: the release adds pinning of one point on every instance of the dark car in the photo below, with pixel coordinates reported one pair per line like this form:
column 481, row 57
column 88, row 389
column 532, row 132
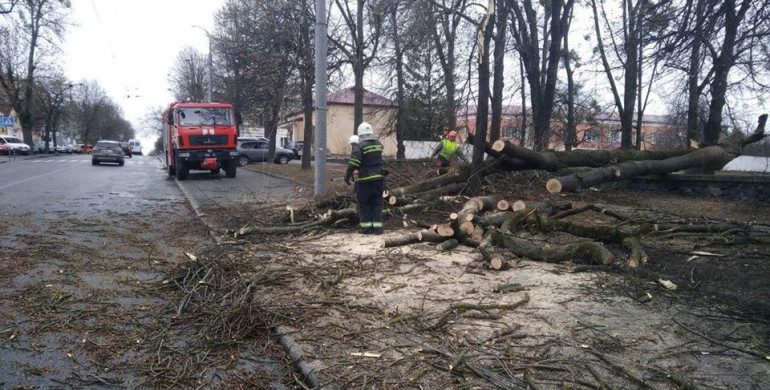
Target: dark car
column 107, row 151
column 126, row 149
column 296, row 147
column 258, row 151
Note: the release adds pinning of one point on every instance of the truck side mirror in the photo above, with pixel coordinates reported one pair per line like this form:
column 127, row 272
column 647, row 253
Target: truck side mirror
column 170, row 117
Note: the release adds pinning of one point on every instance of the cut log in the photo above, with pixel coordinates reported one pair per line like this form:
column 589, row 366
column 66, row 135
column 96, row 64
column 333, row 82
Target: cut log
column 498, row 263
column 445, row 231
column 586, row 251
column 519, row 205
column 467, row 227
column 427, row 185
column 494, row 219
column 707, row 159
column 552, row 160
column 385, row 194
column 503, row 205
column 486, row 203
column 430, row 236
column 448, row 245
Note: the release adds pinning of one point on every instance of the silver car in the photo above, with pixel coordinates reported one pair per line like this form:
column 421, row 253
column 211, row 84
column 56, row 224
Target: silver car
column 107, row 151
column 257, row 151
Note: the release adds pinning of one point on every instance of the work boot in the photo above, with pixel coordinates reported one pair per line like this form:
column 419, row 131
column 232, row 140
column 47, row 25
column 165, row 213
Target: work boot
column 366, row 231
column 377, row 231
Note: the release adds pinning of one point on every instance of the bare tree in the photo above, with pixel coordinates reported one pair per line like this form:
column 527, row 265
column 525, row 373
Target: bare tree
column 358, row 49
column 188, row 76
column 541, row 69
column 55, row 92
column 37, row 23
column 446, row 17
column 6, row 7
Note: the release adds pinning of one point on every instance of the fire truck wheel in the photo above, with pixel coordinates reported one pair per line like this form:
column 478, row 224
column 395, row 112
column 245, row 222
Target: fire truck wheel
column 230, row 169
column 182, row 172
column 215, row 171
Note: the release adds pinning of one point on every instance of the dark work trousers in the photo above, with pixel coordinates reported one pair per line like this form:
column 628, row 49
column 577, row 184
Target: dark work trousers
column 369, row 197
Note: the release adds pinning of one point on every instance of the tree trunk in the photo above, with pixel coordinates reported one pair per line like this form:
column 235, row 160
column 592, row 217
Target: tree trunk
column 722, row 66
column 482, row 108
column 498, row 77
column 399, row 59
column 710, row 158
column 552, row 160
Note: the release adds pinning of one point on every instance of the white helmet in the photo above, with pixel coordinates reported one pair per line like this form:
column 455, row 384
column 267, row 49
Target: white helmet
column 365, row 129
column 353, row 139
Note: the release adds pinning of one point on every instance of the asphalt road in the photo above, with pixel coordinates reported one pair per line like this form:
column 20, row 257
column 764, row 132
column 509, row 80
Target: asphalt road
column 83, row 249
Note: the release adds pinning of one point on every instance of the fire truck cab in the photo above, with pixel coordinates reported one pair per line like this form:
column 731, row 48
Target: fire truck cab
column 200, row 136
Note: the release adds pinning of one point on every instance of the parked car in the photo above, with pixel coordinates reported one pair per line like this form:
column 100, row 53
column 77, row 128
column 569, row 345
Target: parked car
column 245, row 139
column 126, row 149
column 60, row 149
column 39, row 147
column 257, row 151
column 13, row 145
column 74, row 148
column 296, row 147
column 136, row 146
column 107, row 151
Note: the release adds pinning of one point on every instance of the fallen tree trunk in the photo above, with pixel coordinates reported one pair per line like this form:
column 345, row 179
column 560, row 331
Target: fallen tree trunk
column 553, row 160
column 712, row 157
column 591, row 252
column 707, row 159
column 427, row 185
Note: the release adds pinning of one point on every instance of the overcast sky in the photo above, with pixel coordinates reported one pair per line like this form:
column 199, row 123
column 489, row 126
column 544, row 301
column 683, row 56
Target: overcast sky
column 129, row 46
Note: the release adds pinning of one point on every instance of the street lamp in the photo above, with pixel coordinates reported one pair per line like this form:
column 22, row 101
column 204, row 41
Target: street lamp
column 208, row 95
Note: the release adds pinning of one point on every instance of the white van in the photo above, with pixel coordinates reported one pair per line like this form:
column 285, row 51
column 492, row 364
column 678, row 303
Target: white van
column 12, row 145
column 136, row 146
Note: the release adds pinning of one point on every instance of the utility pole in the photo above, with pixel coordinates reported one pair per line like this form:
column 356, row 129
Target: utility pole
column 210, row 65
column 320, row 98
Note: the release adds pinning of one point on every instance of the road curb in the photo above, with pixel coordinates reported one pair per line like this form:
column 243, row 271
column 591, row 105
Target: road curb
column 291, row 348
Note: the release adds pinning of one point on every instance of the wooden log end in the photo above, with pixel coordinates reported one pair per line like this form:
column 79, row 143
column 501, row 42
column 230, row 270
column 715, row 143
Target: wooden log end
column 385, row 194
column 392, row 200
column 496, row 263
column 467, row 228
column 553, row 186
column 617, row 173
column 498, row 146
column 518, row 205
column 445, row 231
column 471, row 217
column 503, row 205
column 453, row 216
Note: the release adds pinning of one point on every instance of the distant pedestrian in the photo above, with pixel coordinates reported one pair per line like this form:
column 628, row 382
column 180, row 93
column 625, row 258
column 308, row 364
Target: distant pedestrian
column 366, row 159
column 447, row 150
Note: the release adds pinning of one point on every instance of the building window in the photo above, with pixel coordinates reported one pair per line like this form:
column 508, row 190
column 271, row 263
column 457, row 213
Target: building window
column 592, row 135
column 657, row 138
column 615, row 136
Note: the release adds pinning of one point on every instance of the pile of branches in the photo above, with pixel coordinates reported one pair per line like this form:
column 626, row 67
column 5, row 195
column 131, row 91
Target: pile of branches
column 489, row 223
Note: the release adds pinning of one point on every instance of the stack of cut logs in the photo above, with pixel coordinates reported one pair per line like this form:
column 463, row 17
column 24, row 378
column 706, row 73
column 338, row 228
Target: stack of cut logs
column 487, row 223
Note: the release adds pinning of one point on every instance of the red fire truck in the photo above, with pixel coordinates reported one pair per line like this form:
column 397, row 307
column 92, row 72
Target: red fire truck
column 200, row 136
